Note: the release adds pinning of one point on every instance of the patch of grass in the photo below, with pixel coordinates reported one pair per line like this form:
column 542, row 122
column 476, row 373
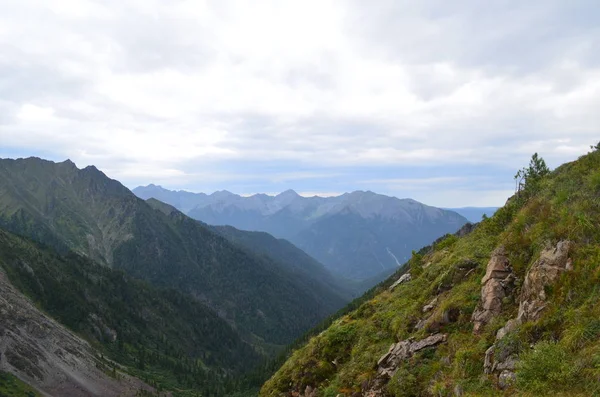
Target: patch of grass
column 11, row 386
column 547, row 368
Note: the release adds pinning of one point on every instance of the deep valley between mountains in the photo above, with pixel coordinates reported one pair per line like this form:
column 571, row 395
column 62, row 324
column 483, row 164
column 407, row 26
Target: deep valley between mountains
column 110, row 292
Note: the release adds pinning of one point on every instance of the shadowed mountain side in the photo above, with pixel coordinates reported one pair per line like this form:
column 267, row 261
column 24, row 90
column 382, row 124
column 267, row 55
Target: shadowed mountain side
column 282, row 254
column 84, row 211
column 126, row 317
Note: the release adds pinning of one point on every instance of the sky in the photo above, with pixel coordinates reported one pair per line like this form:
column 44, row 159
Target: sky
column 441, row 101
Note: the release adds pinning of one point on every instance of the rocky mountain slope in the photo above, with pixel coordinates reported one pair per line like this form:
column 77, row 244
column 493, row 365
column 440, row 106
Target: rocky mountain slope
column 52, row 359
column 141, row 327
column 86, row 212
column 510, row 308
column 356, row 235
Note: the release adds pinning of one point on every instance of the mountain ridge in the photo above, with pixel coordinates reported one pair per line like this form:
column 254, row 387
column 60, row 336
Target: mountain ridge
column 296, row 261
column 315, row 224
column 85, row 211
column 130, row 321
column 508, row 307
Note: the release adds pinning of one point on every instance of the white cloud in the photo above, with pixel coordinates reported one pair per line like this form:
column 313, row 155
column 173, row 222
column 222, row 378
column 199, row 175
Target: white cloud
column 456, row 198
column 153, row 90
column 35, row 114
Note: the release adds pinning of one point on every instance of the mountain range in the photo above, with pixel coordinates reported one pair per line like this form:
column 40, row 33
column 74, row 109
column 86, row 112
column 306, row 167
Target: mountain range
column 508, row 307
column 356, row 235
column 149, row 284
column 105, row 294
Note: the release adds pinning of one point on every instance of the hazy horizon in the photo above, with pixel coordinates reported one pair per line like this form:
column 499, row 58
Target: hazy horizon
column 438, row 101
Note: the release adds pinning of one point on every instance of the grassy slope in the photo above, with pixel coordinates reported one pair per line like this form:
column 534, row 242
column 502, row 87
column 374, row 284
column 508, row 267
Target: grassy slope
column 560, row 354
column 13, row 387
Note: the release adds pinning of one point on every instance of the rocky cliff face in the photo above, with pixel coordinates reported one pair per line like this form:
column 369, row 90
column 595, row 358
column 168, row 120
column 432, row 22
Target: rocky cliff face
column 552, row 263
column 49, row 357
column 496, row 285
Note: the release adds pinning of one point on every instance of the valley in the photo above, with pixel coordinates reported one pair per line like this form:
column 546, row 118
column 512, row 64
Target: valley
column 356, row 236
column 104, row 293
column 299, row 198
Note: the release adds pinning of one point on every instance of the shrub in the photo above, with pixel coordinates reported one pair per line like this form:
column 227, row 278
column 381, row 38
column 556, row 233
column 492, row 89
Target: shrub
column 547, row 367
column 404, row 384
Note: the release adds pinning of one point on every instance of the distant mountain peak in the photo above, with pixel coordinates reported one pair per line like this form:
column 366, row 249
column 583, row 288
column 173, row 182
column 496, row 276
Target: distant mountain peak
column 288, row 193
column 222, row 193
column 357, row 234
column 223, row 196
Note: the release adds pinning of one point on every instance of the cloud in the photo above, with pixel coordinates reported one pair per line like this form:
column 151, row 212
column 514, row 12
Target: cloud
column 207, row 94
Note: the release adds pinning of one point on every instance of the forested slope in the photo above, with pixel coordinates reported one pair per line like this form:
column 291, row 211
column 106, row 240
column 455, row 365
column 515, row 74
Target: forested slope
column 161, row 334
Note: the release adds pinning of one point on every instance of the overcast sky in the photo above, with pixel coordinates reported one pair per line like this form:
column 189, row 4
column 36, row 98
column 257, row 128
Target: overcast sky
column 440, row 101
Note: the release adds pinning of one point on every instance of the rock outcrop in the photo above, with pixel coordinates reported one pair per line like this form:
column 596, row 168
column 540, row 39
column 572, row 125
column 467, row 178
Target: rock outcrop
column 388, row 364
column 466, row 229
column 46, row 355
column 497, row 284
column 553, row 262
column 430, row 306
column 403, row 279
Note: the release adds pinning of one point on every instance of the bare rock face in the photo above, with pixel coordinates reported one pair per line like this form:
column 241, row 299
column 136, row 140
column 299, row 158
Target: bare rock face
column 506, row 379
column 503, row 362
column 466, row 229
column 310, row 392
column 46, row 355
column 509, row 327
column 435, row 324
column 403, row 279
column 497, row 283
column 430, row 306
column 553, row 262
column 388, row 364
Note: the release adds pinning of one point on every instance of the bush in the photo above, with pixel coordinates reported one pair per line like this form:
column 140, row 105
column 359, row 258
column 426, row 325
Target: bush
column 403, row 384
column 546, row 368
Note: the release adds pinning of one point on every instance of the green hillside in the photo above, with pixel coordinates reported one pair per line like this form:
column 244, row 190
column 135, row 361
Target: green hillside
column 13, row 387
column 299, row 264
column 284, row 257
column 161, row 334
column 87, row 212
column 449, row 325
